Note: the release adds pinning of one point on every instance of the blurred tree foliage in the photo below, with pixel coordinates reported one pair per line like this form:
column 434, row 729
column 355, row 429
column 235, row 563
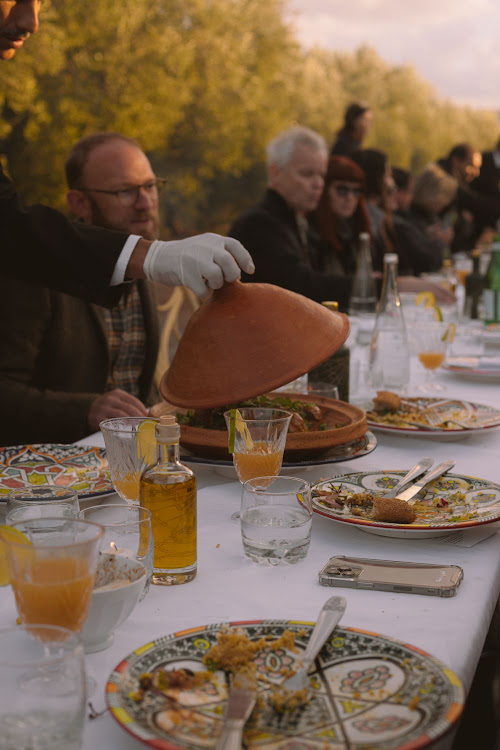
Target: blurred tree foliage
column 203, row 85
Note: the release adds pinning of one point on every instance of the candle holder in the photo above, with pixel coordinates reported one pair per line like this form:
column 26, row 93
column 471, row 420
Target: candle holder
column 127, row 532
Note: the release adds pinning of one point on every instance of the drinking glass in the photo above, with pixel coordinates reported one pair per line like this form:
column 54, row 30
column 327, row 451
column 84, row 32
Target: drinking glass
column 130, row 447
column 276, row 520
column 323, row 390
column 127, row 532
column 41, row 502
column 431, row 343
column 259, row 442
column 52, row 578
column 42, row 688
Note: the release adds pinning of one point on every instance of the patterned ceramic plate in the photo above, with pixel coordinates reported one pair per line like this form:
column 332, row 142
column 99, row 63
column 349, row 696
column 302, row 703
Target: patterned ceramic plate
column 83, row 468
column 475, row 368
column 472, row 418
column 369, row 691
column 345, row 452
column 449, row 503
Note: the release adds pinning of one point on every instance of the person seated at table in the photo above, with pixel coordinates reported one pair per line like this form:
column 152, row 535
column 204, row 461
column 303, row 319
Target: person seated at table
column 403, row 195
column 341, row 215
column 67, row 364
column 358, row 121
column 471, row 211
column 392, row 233
column 284, row 246
column 434, row 190
column 41, row 245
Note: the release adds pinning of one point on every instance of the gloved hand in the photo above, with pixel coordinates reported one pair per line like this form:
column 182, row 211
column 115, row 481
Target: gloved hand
column 201, row 263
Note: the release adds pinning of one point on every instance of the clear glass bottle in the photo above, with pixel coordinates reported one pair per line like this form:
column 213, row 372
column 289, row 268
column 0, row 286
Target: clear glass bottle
column 491, row 293
column 363, row 300
column 168, row 490
column 335, row 369
column 389, row 350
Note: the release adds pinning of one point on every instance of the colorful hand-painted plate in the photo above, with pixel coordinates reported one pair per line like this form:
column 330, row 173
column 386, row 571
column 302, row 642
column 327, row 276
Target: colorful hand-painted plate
column 471, row 418
column 369, row 691
column 474, row 368
column 450, row 503
column 84, row 468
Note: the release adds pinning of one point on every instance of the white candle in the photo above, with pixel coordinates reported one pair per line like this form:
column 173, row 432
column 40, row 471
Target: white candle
column 122, row 551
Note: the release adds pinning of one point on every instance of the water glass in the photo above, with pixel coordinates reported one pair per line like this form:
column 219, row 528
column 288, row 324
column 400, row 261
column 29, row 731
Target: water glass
column 469, row 339
column 276, row 519
column 127, row 532
column 130, row 448
column 42, row 688
column 323, row 390
column 40, row 503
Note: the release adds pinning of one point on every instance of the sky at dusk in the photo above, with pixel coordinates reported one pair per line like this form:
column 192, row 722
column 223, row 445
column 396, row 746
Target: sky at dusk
column 453, row 44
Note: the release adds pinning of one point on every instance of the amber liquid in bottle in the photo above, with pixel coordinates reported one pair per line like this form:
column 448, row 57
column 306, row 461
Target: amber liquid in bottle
column 168, row 490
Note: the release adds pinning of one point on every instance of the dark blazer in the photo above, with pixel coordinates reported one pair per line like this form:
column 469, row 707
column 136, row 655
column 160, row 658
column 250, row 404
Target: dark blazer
column 41, row 245
column 54, row 361
column 488, row 182
column 269, row 232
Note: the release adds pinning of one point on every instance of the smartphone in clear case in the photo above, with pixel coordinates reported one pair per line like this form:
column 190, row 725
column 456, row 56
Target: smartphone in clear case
column 392, row 575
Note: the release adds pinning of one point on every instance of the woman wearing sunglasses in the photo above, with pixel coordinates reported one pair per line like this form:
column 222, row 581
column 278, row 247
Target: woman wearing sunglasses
column 341, row 215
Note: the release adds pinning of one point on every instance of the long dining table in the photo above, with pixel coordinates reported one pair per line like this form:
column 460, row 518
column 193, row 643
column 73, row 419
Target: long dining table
column 231, row 588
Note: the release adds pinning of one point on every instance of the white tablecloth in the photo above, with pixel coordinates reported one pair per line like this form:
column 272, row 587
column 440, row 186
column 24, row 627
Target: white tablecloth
column 230, row 587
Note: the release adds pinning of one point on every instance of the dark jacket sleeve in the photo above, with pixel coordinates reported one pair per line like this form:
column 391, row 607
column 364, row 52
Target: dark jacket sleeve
column 417, row 250
column 268, row 242
column 30, row 413
column 41, row 245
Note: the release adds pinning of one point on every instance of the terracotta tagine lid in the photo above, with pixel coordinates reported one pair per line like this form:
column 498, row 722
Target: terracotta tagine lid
column 248, row 339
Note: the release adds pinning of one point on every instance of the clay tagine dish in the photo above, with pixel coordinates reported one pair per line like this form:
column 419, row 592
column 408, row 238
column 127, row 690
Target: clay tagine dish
column 246, row 340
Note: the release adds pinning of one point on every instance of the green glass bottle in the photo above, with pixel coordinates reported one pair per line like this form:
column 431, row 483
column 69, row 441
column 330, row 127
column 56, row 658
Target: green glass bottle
column 491, row 293
column 335, row 369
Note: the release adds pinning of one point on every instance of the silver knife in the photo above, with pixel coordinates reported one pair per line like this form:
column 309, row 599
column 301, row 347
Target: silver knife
column 415, row 488
column 423, row 465
column 239, row 707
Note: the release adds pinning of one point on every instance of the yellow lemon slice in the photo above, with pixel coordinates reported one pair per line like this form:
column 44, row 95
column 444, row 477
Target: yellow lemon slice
column 438, row 315
column 7, row 532
column 427, row 299
column 146, row 442
column 449, row 333
column 237, row 423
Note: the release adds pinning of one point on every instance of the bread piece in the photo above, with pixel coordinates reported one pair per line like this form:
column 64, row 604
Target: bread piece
column 386, row 400
column 392, row 510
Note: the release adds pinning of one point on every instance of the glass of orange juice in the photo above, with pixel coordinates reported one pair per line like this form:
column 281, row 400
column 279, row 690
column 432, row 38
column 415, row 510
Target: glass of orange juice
column 431, row 343
column 259, row 442
column 53, row 576
column 130, row 448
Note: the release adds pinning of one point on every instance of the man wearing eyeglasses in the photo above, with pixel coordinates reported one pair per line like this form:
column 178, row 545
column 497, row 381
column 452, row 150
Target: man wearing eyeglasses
column 67, row 364
column 41, row 245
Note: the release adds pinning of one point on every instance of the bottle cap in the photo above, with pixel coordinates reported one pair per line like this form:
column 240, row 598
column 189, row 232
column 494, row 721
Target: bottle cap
column 333, row 306
column 167, row 431
column 364, row 236
column 390, row 258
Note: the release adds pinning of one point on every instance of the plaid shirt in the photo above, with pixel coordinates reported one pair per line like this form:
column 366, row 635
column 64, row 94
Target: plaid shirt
column 126, row 337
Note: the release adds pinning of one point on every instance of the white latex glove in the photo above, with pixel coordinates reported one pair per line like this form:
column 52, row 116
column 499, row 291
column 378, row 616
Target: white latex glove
column 201, row 263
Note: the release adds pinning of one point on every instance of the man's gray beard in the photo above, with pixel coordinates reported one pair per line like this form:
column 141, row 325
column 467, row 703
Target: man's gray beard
column 99, row 220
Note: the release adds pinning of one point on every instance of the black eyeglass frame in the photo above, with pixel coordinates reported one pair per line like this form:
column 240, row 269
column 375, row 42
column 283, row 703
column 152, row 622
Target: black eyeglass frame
column 158, row 184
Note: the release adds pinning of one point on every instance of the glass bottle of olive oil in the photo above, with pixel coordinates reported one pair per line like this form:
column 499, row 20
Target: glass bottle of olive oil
column 168, row 490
